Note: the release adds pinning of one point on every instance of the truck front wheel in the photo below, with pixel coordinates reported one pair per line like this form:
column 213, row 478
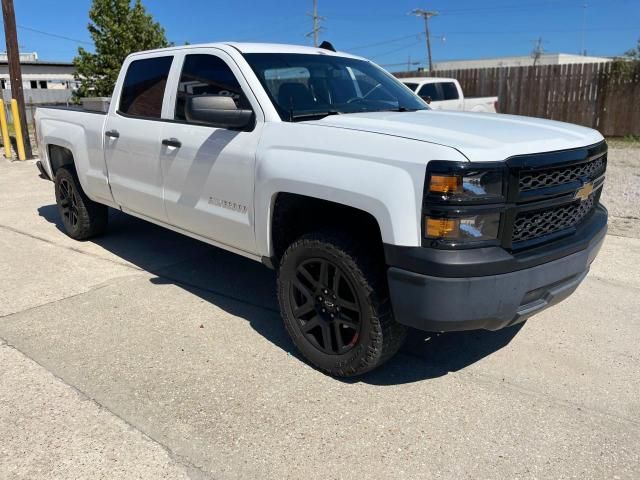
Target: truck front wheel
column 335, row 304
column 82, row 217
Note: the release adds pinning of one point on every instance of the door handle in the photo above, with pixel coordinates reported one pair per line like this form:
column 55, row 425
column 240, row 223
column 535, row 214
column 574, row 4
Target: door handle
column 112, row 133
column 172, row 142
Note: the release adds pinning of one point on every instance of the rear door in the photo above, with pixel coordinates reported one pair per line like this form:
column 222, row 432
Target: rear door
column 209, row 171
column 133, row 132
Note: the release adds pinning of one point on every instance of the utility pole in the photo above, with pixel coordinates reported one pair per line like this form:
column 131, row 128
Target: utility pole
column 426, row 14
column 316, row 23
column 15, row 72
column 537, row 52
column 583, row 50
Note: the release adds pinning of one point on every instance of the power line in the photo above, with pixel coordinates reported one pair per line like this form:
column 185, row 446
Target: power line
column 403, row 47
column 385, row 42
column 506, row 7
column 55, row 35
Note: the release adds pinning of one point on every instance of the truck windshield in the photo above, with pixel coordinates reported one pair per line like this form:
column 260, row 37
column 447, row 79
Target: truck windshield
column 308, row 87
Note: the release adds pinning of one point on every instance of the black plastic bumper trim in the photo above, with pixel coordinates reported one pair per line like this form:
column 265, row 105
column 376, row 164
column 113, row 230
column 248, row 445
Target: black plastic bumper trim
column 478, row 262
column 43, row 172
column 490, row 302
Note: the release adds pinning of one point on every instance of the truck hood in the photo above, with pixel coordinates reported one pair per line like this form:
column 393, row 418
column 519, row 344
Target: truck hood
column 478, row 136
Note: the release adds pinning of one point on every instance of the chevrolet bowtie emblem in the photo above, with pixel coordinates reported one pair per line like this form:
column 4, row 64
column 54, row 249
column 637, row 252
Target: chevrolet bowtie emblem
column 584, row 192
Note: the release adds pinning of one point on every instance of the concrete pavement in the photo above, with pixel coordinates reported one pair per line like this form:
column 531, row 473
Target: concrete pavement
column 145, row 353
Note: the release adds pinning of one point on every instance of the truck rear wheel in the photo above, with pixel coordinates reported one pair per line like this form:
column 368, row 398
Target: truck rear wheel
column 335, row 305
column 82, row 217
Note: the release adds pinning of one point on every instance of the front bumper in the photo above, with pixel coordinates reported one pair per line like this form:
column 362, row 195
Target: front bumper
column 486, row 299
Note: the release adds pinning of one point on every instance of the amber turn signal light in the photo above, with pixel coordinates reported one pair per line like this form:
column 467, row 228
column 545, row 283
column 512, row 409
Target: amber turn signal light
column 445, row 184
column 441, row 227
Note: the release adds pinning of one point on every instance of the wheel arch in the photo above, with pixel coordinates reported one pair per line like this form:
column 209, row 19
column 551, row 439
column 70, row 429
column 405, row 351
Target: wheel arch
column 59, row 156
column 294, row 214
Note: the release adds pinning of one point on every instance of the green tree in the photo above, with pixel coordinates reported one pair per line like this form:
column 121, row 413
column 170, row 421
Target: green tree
column 117, row 29
column 634, row 53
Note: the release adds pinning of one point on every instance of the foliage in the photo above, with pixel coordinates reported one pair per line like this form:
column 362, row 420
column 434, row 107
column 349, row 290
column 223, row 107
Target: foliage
column 117, row 29
column 634, row 53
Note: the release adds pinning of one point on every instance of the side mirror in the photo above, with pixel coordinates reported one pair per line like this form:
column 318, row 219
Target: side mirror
column 426, row 98
column 216, row 111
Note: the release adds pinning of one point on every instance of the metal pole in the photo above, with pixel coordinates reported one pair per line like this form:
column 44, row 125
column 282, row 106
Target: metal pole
column 15, row 72
column 418, row 12
column 426, row 29
column 315, row 23
column 5, row 130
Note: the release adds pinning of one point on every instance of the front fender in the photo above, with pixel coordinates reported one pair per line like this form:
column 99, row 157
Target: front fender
column 378, row 174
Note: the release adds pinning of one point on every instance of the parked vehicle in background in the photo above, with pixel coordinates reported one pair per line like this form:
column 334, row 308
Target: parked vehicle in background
column 446, row 94
column 378, row 212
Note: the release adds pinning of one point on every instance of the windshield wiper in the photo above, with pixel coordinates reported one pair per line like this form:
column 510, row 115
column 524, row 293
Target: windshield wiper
column 401, row 109
column 312, row 115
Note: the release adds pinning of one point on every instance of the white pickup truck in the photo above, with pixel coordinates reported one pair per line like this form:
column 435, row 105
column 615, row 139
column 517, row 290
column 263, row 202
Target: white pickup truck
column 446, row 94
column 377, row 212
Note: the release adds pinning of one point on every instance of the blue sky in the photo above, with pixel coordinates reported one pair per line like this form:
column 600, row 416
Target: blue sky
column 379, row 29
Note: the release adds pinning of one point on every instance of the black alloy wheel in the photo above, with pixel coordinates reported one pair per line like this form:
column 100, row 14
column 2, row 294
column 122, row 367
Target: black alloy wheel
column 68, row 202
column 82, row 218
column 335, row 303
column 326, row 306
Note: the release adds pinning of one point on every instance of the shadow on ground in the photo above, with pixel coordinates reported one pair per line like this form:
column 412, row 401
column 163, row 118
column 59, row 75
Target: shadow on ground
column 246, row 289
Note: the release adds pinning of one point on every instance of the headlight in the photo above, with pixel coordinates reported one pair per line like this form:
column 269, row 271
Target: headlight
column 463, row 203
column 465, row 185
column 472, row 228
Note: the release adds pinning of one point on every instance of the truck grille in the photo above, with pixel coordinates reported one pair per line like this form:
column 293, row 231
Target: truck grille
column 543, row 188
column 531, row 225
column 558, row 176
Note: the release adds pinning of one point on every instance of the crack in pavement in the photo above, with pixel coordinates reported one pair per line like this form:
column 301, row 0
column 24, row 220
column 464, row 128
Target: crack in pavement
column 73, row 249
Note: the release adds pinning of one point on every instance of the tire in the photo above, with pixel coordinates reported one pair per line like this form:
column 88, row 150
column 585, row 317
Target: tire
column 82, row 217
column 335, row 305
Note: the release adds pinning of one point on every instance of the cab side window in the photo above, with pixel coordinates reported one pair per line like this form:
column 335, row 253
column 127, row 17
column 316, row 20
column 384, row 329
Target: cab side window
column 143, row 87
column 204, row 74
column 449, row 91
column 430, row 90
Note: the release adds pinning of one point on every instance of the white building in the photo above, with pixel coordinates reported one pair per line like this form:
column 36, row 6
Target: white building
column 40, row 75
column 519, row 61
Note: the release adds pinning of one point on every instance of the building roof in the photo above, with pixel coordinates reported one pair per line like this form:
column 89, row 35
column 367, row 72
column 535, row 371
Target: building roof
column 43, row 63
column 519, row 60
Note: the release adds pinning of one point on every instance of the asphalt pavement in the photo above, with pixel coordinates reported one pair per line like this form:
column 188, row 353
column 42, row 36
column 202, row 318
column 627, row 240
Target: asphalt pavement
column 146, row 354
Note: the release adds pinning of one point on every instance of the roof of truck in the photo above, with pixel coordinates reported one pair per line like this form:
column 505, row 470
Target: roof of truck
column 426, row 79
column 258, row 48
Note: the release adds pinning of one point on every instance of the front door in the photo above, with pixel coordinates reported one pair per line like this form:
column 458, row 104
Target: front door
column 133, row 138
column 209, row 170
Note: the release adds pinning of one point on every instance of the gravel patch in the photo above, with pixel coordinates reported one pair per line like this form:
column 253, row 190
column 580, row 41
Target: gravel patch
column 621, row 193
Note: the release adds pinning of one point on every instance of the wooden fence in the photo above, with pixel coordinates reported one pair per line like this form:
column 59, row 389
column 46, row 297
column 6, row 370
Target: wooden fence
column 605, row 96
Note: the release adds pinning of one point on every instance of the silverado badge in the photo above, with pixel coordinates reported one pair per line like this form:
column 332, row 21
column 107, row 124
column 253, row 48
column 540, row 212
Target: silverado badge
column 584, row 192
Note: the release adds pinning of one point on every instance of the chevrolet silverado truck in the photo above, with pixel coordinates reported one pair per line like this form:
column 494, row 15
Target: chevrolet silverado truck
column 446, row 94
column 377, row 212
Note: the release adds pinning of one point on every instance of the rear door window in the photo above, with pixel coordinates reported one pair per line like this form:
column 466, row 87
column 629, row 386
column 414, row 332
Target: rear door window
column 144, row 86
column 449, row 91
column 431, row 90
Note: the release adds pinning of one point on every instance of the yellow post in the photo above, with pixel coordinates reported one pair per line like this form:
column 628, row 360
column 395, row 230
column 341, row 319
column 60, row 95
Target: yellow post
column 18, row 128
column 5, row 130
